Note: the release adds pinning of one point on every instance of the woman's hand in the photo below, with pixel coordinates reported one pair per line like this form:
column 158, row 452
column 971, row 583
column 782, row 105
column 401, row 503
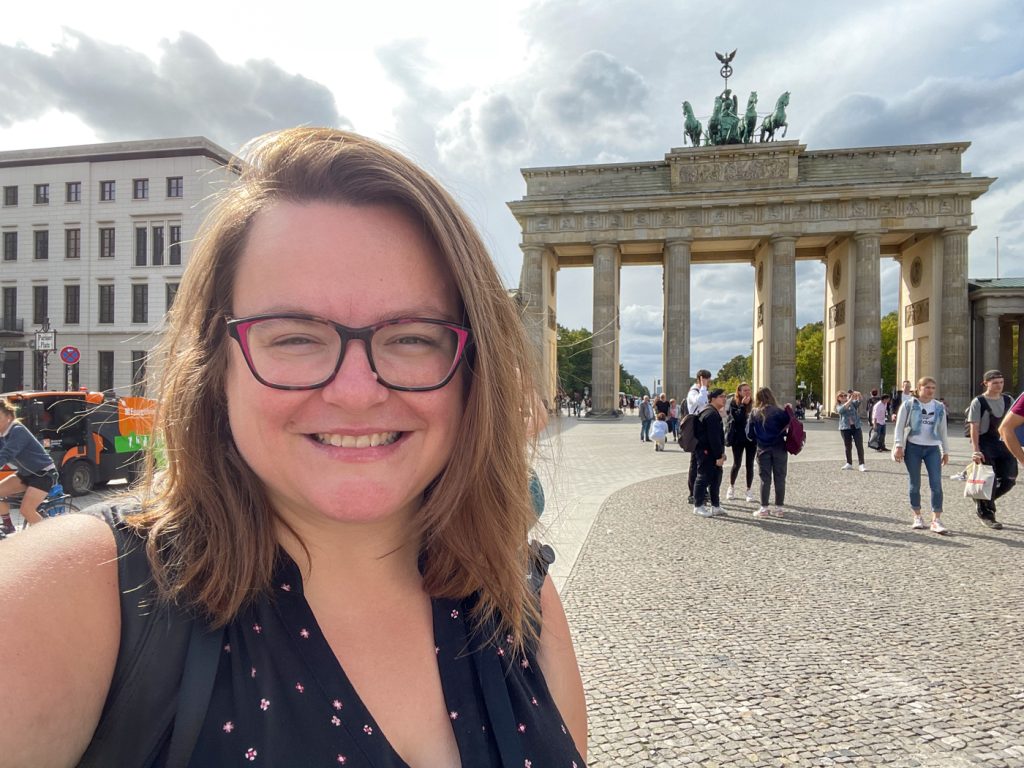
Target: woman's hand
column 945, row 459
column 897, row 454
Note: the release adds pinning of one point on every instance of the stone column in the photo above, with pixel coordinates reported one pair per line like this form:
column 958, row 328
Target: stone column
column 1006, row 353
column 605, row 374
column 676, row 350
column 989, row 345
column 867, row 313
column 781, row 342
column 536, row 291
column 954, row 372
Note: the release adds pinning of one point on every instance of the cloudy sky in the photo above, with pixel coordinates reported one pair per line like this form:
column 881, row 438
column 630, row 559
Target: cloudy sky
column 475, row 91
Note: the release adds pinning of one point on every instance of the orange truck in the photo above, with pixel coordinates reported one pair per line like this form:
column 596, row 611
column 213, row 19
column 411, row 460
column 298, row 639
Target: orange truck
column 93, row 439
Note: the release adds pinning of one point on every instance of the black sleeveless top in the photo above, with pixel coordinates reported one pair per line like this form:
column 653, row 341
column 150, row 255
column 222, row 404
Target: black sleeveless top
column 281, row 698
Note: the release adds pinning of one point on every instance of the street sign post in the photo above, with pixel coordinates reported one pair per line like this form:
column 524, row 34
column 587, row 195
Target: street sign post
column 69, row 356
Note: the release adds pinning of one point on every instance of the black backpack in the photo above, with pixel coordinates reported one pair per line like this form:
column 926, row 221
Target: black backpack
column 983, row 404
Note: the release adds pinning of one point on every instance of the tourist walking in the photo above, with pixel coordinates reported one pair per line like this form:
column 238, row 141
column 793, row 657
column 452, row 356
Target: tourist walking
column 920, row 438
column 847, row 406
column 743, row 447
column 879, row 419
column 898, row 396
column 696, row 399
column 646, row 417
column 768, row 425
column 709, row 455
column 984, row 415
column 1011, row 429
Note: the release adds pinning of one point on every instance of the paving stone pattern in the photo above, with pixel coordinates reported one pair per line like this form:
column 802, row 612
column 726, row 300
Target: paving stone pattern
column 834, row 636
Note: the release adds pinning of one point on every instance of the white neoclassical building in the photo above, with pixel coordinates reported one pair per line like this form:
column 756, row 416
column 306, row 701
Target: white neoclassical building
column 94, row 242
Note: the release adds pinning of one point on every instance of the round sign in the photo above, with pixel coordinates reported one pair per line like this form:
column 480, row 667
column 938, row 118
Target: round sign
column 70, row 355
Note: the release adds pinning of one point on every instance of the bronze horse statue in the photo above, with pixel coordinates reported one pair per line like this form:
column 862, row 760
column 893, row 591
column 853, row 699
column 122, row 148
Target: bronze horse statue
column 691, row 126
column 776, row 119
column 749, row 119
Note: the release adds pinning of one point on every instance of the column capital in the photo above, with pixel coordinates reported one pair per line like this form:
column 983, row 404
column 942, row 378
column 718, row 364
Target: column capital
column 956, row 231
column 867, row 235
column 784, row 237
column 528, row 247
column 678, row 241
column 605, row 244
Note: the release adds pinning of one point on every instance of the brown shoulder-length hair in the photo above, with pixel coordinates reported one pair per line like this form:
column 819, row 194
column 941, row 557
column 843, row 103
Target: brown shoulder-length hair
column 736, row 397
column 210, row 524
column 764, row 401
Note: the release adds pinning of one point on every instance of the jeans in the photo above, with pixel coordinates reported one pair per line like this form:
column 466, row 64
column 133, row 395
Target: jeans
column 1003, row 463
column 772, row 463
column 645, row 429
column 709, row 480
column 741, row 450
column 880, row 429
column 931, row 455
column 853, row 437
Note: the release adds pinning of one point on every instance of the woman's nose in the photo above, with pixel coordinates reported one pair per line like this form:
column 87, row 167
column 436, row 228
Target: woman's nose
column 355, row 383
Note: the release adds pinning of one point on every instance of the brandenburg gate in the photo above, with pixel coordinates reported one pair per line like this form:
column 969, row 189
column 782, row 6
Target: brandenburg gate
column 768, row 205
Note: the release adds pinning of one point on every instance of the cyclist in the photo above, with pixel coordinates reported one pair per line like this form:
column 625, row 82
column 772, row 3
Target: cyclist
column 35, row 472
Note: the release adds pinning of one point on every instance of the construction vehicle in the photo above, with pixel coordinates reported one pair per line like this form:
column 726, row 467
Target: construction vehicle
column 93, row 438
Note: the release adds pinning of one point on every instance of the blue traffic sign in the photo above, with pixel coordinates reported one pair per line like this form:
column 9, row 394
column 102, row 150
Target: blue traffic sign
column 70, row 355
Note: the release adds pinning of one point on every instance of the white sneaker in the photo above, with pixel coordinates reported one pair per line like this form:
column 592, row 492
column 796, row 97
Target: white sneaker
column 776, row 511
column 939, row 528
column 702, row 511
column 750, row 497
column 918, row 523
column 958, row 476
column 847, row 466
column 730, row 494
column 762, row 512
column 862, row 468
column 717, row 511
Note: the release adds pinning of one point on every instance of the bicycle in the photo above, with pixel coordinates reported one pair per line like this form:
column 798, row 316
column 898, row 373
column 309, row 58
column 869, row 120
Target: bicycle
column 54, row 504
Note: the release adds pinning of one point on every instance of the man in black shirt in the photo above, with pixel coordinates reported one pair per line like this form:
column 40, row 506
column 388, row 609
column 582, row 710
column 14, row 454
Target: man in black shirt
column 709, row 455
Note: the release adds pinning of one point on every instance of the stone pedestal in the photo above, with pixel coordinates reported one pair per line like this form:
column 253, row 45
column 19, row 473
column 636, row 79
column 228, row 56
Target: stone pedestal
column 867, row 313
column 677, row 318
column 607, row 261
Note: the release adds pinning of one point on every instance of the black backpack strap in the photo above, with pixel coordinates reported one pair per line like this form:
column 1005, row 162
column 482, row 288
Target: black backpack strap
column 148, row 685
column 194, row 695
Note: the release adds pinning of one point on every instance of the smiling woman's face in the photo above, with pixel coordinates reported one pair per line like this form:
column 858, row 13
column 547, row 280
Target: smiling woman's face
column 352, row 450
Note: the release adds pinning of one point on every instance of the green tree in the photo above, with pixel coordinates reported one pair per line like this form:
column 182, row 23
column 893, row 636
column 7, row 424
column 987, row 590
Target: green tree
column 733, row 372
column 630, row 384
column 574, row 359
column 810, row 349
column 890, row 338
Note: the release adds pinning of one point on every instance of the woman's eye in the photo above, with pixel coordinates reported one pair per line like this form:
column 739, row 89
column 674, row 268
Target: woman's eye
column 294, row 341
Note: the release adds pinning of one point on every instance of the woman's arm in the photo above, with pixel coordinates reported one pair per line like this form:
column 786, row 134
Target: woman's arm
column 557, row 660
column 59, row 635
column 1008, row 431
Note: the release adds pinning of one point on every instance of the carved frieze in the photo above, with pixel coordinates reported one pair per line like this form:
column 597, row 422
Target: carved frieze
column 760, row 314
column 916, row 313
column 837, row 314
column 727, row 171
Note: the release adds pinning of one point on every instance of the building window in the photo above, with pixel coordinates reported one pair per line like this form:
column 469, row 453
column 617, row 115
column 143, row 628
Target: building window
column 10, row 196
column 106, row 191
column 140, row 302
column 158, row 246
column 106, row 371
column 10, row 246
column 106, row 242
column 106, row 303
column 41, row 244
column 40, row 304
column 10, row 309
column 73, row 192
column 138, row 372
column 140, row 189
column 140, row 246
column 175, row 186
column 72, row 243
column 72, row 304
column 171, row 292
column 42, row 194
column 175, row 252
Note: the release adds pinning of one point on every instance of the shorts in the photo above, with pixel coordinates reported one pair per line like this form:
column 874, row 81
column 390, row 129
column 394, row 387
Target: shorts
column 42, row 482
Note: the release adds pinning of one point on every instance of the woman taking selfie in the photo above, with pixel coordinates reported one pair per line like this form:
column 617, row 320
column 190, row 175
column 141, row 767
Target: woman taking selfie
column 344, row 510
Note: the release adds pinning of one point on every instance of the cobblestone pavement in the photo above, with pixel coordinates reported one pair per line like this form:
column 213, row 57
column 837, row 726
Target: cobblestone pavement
column 834, row 636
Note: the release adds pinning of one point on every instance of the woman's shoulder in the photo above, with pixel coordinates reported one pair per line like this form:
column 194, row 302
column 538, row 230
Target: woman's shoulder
column 58, row 581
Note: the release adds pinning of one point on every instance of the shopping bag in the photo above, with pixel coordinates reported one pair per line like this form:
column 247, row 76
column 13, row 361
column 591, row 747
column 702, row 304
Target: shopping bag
column 873, row 439
column 981, row 479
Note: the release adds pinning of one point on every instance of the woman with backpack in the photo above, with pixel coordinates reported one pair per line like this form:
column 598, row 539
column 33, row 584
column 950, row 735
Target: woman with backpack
column 920, row 438
column 768, row 425
column 737, row 412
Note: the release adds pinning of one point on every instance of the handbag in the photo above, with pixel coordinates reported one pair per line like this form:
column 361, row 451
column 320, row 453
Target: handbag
column 981, row 479
column 873, row 439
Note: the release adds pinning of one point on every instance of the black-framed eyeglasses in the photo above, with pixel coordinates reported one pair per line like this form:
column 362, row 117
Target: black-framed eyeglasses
column 294, row 351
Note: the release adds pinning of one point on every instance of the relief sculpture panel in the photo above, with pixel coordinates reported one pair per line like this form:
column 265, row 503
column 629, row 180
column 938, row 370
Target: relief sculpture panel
column 734, row 170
